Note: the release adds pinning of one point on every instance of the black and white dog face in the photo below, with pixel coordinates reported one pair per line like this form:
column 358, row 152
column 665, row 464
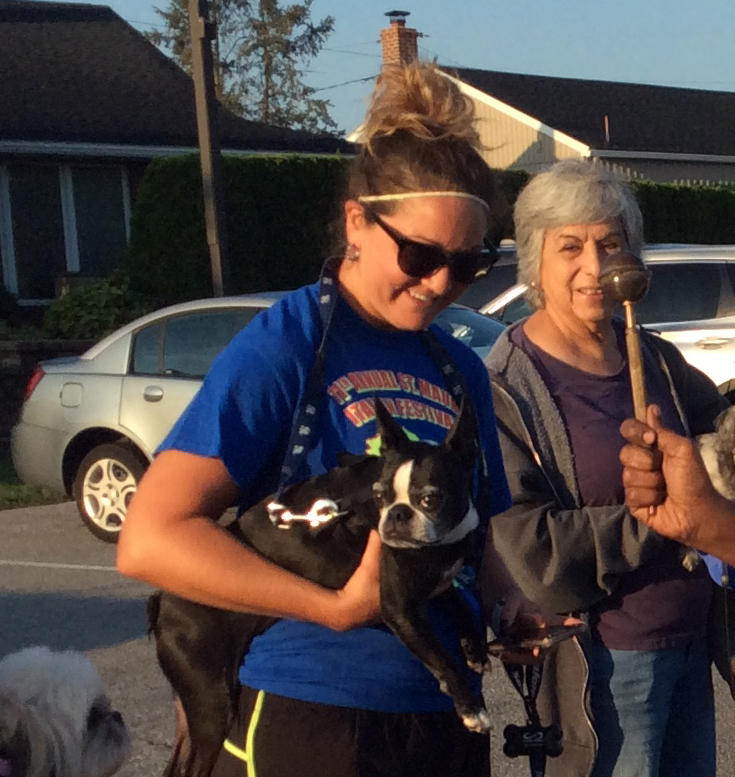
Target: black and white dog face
column 718, row 453
column 55, row 718
column 424, row 492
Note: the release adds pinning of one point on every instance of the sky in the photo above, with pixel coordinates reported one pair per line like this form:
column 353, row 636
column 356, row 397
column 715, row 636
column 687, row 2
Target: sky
column 665, row 42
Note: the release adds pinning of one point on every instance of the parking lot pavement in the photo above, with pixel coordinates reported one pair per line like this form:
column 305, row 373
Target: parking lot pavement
column 59, row 587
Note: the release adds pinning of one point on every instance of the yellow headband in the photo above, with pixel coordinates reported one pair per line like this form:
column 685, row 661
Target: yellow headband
column 411, row 195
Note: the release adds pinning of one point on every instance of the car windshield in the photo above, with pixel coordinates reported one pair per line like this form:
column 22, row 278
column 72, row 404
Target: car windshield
column 500, row 278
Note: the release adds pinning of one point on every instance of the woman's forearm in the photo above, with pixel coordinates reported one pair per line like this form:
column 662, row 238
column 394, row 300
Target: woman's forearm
column 171, row 540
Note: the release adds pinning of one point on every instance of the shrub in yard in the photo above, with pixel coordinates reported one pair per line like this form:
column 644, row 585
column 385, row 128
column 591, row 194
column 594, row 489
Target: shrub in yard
column 95, row 310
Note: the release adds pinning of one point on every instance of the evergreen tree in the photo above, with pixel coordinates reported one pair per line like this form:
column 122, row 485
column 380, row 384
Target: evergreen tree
column 260, row 55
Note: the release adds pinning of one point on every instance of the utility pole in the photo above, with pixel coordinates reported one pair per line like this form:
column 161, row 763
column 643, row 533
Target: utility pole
column 203, row 31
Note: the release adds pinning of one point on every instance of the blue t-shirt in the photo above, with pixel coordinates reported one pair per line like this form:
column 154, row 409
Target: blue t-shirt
column 243, row 415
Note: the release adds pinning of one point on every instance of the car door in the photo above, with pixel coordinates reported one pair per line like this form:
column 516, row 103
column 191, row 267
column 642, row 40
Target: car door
column 691, row 304
column 168, row 361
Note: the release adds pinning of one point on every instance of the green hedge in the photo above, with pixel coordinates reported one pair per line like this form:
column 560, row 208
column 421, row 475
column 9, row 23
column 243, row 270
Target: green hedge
column 277, row 208
column 674, row 213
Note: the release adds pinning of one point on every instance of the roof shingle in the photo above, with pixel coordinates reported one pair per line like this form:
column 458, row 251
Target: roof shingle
column 79, row 73
column 640, row 117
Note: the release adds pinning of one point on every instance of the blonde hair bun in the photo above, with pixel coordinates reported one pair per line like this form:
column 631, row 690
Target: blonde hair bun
column 420, row 100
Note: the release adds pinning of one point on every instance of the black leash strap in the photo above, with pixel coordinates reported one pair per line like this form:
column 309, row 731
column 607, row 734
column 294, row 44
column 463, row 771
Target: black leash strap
column 527, row 681
column 306, row 416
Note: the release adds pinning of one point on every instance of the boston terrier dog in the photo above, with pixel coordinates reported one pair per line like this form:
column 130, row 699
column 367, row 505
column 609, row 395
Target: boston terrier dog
column 418, row 496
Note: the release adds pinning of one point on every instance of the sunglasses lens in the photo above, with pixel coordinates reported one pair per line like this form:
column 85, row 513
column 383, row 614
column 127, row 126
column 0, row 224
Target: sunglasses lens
column 419, row 260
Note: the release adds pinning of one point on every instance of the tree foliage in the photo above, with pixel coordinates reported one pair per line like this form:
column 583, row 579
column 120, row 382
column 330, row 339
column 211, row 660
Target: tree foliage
column 260, row 56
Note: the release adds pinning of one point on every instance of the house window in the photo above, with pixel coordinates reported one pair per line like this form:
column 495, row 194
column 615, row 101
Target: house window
column 100, row 219
column 56, row 219
column 37, row 227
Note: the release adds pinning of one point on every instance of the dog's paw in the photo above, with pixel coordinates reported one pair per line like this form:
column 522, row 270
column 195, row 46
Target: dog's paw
column 690, row 559
column 476, row 666
column 477, row 721
column 474, row 654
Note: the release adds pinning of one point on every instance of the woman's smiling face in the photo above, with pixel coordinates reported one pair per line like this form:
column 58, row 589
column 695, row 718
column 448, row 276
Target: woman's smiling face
column 381, row 292
column 571, row 261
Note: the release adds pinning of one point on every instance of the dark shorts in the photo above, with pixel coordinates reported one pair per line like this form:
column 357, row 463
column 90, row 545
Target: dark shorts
column 278, row 737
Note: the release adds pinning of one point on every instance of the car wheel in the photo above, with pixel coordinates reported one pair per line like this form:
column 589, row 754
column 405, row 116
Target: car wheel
column 105, row 483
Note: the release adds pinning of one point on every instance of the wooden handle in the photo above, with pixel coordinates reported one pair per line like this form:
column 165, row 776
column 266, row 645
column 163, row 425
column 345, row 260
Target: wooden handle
column 635, row 363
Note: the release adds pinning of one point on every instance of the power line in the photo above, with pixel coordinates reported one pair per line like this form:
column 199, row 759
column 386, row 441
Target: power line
column 354, row 53
column 345, row 83
column 147, row 24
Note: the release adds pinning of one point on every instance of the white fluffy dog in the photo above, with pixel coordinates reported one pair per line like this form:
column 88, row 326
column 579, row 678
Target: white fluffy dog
column 718, row 453
column 55, row 718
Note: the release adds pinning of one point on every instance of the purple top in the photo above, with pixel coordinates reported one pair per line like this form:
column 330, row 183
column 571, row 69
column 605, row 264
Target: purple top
column 660, row 604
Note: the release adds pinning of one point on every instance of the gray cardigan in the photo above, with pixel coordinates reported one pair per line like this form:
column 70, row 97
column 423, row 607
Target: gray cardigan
column 563, row 555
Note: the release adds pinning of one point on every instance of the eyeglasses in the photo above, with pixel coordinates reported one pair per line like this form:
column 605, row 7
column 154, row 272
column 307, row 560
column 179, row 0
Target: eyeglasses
column 420, row 260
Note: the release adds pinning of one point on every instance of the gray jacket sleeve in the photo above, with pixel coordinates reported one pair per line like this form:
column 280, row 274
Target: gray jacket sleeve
column 563, row 559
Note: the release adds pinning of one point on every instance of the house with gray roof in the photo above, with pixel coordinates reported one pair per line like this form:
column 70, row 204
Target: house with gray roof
column 86, row 102
column 662, row 133
column 527, row 122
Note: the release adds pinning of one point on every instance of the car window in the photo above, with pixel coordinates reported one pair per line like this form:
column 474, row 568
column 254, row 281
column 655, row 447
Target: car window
column 147, row 349
column 681, row 292
column 474, row 329
column 500, row 278
column 193, row 342
column 515, row 310
column 187, row 345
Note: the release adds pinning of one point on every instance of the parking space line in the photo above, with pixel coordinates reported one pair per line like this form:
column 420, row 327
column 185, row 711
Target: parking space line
column 51, row 565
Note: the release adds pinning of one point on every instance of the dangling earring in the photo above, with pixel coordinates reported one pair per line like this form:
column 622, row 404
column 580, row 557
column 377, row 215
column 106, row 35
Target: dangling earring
column 352, row 252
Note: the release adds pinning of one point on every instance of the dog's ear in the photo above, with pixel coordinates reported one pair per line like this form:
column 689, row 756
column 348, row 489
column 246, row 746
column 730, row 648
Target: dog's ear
column 392, row 436
column 24, row 744
column 462, row 439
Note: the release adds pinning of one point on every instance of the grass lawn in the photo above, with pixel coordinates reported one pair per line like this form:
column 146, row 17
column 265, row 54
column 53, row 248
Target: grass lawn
column 13, row 493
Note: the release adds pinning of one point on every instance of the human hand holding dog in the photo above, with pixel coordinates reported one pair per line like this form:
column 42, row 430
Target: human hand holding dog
column 667, row 488
column 358, row 602
column 522, row 618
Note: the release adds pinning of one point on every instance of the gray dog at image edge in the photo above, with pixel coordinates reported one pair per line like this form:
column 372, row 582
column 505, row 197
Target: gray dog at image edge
column 418, row 497
column 718, row 453
column 56, row 719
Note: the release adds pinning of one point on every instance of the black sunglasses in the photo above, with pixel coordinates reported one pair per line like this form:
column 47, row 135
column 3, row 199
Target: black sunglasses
column 419, row 260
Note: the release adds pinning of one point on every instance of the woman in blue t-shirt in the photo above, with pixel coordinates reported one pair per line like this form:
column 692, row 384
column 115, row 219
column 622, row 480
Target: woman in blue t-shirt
column 324, row 693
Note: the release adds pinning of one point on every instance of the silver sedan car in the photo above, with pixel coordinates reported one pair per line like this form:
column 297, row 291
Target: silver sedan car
column 90, row 424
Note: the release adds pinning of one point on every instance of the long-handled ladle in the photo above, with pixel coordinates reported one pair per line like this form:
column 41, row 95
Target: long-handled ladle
column 625, row 279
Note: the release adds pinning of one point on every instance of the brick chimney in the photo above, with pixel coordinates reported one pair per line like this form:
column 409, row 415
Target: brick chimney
column 398, row 41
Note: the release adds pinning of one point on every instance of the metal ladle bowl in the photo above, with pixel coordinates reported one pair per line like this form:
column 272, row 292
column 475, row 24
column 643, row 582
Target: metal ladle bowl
column 625, row 279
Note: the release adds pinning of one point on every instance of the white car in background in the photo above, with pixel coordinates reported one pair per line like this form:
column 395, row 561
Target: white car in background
column 690, row 302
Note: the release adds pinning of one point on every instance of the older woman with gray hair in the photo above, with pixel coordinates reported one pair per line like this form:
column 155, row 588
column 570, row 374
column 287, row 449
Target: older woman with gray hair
column 634, row 699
